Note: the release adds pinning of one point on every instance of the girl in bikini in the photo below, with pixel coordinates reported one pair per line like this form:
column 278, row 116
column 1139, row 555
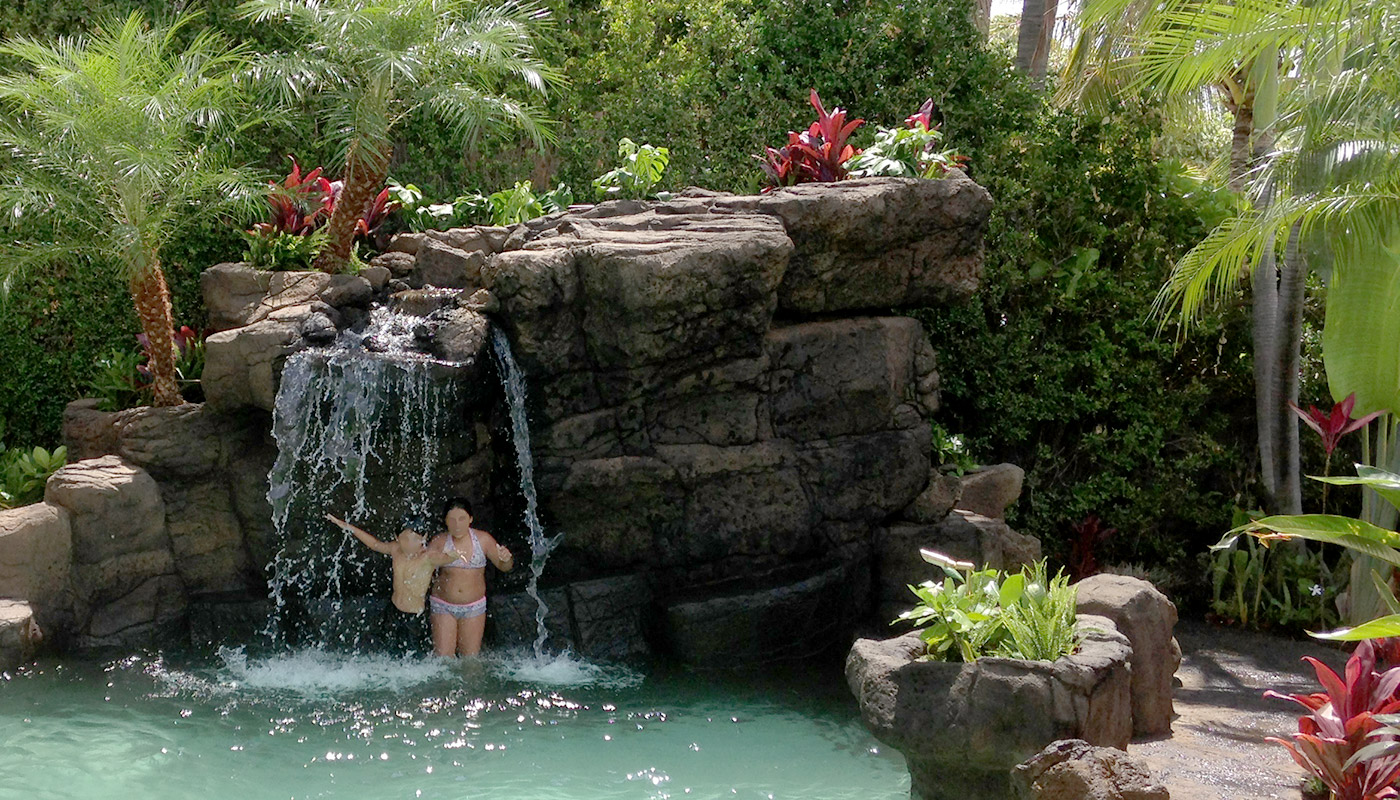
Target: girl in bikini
column 457, row 605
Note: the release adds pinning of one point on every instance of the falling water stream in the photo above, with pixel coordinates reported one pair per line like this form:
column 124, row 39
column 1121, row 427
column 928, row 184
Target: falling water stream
column 540, row 545
column 360, row 428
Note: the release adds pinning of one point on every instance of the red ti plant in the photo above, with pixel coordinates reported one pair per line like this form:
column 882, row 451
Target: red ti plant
column 1089, row 533
column 1341, row 721
column 379, row 210
column 1332, row 427
column 299, row 204
column 818, row 154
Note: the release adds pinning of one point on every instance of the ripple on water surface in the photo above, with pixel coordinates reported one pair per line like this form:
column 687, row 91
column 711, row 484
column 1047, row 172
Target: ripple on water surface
column 317, row 724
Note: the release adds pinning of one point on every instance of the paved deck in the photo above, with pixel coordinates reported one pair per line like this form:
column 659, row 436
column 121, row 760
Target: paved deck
column 1217, row 748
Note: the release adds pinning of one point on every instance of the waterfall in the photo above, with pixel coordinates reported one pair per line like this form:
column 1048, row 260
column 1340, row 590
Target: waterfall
column 360, row 427
column 513, row 382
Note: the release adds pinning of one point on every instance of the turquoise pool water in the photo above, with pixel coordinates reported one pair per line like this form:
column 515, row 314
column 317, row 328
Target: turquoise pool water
column 311, row 724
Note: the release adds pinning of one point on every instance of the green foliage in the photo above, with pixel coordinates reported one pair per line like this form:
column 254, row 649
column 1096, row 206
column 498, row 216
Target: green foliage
column 904, row 153
column 636, row 178
column 1056, row 365
column 950, row 450
column 972, row 613
column 117, row 382
column 1275, row 587
column 277, row 250
column 24, row 471
column 1040, row 624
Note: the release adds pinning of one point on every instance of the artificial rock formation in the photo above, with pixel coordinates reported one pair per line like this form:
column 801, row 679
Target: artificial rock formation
column 1147, row 618
column 1073, row 769
column 722, row 412
column 963, row 727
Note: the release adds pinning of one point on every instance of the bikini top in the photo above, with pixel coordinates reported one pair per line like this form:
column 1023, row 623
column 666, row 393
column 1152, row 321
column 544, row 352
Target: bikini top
column 477, row 560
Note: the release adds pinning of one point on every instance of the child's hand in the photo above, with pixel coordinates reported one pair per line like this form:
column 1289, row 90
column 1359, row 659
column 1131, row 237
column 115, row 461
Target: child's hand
column 504, row 554
column 335, row 519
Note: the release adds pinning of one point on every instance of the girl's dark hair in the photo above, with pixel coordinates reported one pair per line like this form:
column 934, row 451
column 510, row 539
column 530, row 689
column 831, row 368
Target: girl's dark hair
column 457, row 502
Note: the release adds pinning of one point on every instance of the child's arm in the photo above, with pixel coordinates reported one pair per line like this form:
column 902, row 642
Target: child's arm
column 499, row 554
column 369, row 541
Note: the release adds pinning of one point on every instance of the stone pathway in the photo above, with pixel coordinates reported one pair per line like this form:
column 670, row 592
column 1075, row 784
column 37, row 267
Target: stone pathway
column 1217, row 747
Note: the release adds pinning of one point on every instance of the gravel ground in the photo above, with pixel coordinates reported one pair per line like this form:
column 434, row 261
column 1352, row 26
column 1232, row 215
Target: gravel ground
column 1217, row 747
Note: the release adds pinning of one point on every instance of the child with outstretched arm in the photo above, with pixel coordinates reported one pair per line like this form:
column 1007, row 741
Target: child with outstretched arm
column 413, row 563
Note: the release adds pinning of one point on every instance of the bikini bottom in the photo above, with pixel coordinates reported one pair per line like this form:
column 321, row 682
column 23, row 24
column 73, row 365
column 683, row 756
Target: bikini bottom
column 456, row 610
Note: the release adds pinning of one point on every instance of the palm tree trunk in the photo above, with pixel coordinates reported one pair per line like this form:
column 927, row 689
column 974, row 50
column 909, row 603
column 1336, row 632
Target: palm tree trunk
column 982, row 17
column 1028, row 34
column 1040, row 61
column 152, row 298
column 364, row 176
column 1290, row 308
column 1266, row 365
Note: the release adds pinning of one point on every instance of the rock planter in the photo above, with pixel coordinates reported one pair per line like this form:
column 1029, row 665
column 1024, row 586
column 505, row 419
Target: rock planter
column 963, row 727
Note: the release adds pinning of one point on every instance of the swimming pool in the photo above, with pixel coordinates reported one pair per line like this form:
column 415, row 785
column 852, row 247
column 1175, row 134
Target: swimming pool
column 315, row 724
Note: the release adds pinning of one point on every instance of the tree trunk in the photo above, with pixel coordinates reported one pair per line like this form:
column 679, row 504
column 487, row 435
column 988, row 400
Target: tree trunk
column 1028, row 34
column 982, row 17
column 152, row 298
column 364, row 177
column 1040, row 61
column 1290, row 308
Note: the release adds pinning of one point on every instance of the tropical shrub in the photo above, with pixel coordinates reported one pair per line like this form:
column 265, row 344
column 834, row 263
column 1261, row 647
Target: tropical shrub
column 1290, row 588
column 24, row 471
column 1341, row 741
column 908, row 152
column 817, row 154
column 972, row 613
column 122, row 378
column 369, row 64
column 636, row 178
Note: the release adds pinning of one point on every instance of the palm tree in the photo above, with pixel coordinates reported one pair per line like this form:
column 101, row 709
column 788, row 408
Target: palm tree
column 1254, row 56
column 368, row 65
column 112, row 145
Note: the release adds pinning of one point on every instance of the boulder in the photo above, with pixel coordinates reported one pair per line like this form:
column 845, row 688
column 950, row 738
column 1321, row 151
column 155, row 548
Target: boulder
column 398, row 264
column 963, row 727
column 790, row 620
column 123, row 570
column 989, row 490
column 422, row 302
column 843, row 377
column 20, row 635
column 740, row 501
column 440, row 264
column 407, row 242
column 88, row 432
column 1073, row 769
column 232, row 293
column 875, row 243
column 510, row 620
column 1147, row 618
column 241, row 365
column 615, row 510
column 378, row 277
column 865, row 477
column 206, row 538
column 175, row 442
column 460, row 335
column 962, row 535
column 610, row 617
column 938, row 499
column 36, row 550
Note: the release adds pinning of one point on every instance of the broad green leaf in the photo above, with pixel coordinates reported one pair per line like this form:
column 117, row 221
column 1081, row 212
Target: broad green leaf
column 1386, row 484
column 1361, row 335
column 1375, row 629
column 1384, row 591
column 1363, row 537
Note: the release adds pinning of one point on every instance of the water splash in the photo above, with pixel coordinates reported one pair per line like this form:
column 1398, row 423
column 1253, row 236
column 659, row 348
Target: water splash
column 513, row 381
column 564, row 669
column 367, row 411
